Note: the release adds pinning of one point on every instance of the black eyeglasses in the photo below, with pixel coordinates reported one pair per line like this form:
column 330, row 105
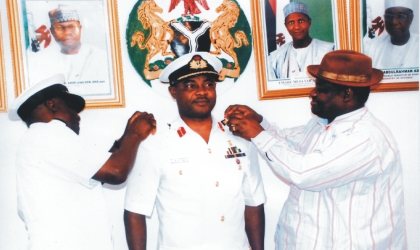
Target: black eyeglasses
column 399, row 17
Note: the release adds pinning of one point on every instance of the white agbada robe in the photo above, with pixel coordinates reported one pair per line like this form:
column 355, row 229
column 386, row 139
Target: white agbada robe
column 288, row 62
column 87, row 72
column 385, row 55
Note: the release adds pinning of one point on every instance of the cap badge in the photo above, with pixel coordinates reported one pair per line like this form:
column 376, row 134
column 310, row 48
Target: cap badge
column 198, row 63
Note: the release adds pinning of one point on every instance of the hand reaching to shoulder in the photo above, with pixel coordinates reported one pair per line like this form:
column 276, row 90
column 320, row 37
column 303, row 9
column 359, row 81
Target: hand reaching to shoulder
column 243, row 121
column 141, row 124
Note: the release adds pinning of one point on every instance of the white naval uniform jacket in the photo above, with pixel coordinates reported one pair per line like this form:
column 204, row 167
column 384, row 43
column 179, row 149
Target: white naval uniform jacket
column 199, row 189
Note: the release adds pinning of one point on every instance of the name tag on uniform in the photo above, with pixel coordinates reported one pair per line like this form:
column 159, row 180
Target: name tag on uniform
column 179, row 160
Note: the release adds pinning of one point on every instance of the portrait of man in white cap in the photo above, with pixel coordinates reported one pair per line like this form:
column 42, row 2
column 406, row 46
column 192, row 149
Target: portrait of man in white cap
column 291, row 59
column 393, row 45
column 84, row 65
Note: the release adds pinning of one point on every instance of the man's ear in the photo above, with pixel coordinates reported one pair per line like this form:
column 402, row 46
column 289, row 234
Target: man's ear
column 172, row 91
column 52, row 105
column 348, row 95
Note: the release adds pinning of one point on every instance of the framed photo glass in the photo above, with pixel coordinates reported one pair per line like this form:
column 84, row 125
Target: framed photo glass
column 387, row 31
column 77, row 38
column 3, row 95
column 290, row 35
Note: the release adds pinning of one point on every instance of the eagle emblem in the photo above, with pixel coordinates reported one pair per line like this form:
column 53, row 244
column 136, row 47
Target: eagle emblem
column 156, row 38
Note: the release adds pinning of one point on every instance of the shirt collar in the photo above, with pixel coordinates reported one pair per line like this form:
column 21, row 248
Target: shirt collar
column 343, row 120
column 178, row 122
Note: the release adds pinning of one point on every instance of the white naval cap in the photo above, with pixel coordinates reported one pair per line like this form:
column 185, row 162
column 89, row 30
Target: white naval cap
column 191, row 64
column 40, row 92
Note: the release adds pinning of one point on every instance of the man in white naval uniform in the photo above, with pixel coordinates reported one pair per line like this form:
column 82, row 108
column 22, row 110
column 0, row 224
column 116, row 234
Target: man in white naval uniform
column 204, row 182
column 399, row 48
column 84, row 66
column 291, row 59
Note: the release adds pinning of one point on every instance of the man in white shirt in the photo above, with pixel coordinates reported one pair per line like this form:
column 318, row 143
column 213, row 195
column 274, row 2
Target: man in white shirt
column 291, row 59
column 59, row 177
column 399, row 48
column 344, row 166
column 204, row 183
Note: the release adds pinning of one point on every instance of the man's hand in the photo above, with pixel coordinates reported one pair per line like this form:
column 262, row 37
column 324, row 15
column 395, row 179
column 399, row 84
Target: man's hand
column 141, row 124
column 243, row 121
column 124, row 151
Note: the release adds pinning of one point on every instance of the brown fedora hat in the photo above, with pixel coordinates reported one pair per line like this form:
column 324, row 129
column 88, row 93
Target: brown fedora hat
column 346, row 67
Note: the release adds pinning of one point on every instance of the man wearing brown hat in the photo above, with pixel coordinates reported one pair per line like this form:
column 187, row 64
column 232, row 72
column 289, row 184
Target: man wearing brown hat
column 343, row 166
column 204, row 182
column 60, row 196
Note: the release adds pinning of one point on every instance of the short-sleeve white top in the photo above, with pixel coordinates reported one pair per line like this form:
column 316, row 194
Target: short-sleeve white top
column 60, row 203
column 200, row 189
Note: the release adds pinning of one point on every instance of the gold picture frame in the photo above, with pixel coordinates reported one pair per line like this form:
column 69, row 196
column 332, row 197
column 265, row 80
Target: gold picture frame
column 104, row 91
column 3, row 94
column 259, row 36
column 356, row 17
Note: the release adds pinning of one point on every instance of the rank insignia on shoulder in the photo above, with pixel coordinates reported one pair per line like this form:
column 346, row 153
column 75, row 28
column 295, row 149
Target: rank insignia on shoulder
column 234, row 152
column 221, row 126
column 181, row 131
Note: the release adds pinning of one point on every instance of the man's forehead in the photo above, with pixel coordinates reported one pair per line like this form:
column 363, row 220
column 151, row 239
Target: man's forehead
column 296, row 16
column 66, row 23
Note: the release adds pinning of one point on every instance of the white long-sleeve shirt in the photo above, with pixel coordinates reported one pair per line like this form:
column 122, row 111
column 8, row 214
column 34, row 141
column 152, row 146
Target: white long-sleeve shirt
column 346, row 187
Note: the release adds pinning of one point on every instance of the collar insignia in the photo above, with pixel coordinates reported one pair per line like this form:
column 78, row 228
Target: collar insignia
column 221, row 126
column 181, row 131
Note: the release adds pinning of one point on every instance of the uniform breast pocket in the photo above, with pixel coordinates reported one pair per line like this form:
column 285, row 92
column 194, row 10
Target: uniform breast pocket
column 180, row 176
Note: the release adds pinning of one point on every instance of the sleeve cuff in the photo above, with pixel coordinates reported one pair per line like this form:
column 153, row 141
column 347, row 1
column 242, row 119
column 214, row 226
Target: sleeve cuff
column 265, row 124
column 137, row 208
column 256, row 201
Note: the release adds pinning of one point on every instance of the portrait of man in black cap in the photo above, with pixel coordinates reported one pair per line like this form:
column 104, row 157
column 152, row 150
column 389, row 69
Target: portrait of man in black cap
column 72, row 41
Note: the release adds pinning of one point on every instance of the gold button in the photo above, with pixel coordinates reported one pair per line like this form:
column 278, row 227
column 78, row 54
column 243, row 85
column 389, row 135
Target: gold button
column 180, row 172
column 223, row 218
column 209, row 150
column 240, row 167
column 217, row 183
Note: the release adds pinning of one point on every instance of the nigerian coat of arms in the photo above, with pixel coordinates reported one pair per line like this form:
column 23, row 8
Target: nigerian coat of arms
column 159, row 31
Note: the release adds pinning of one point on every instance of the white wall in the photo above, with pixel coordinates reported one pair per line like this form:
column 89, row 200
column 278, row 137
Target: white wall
column 399, row 111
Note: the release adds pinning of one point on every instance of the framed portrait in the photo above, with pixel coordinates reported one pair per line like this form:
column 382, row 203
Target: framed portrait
column 3, row 96
column 77, row 38
column 387, row 31
column 280, row 67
